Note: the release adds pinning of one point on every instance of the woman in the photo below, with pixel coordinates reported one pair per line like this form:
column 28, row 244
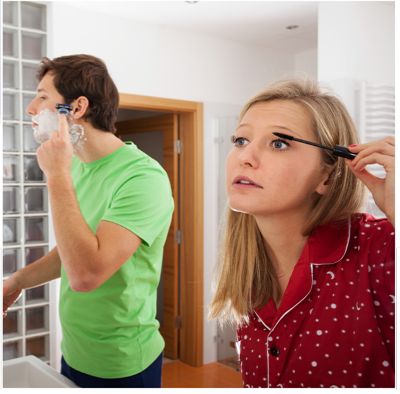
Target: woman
column 308, row 280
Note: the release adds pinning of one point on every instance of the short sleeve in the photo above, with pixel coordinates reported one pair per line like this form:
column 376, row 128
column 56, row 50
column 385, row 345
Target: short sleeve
column 143, row 204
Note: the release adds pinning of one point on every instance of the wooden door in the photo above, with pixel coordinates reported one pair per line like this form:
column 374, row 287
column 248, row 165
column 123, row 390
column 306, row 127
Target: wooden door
column 169, row 125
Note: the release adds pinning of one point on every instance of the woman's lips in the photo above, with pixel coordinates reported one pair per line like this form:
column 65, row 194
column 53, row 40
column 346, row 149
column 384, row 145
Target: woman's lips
column 248, row 183
column 245, row 186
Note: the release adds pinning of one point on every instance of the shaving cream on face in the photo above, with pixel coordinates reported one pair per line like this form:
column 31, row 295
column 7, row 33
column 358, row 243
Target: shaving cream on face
column 47, row 121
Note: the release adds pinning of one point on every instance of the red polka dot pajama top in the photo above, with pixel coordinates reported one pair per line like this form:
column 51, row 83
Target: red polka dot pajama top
column 335, row 324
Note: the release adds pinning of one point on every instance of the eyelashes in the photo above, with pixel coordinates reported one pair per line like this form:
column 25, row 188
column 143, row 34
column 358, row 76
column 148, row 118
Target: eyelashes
column 280, row 141
column 234, row 140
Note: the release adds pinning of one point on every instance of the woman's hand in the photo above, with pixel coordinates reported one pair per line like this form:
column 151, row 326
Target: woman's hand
column 377, row 152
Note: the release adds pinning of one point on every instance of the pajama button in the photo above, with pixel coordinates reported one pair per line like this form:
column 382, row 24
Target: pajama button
column 274, row 351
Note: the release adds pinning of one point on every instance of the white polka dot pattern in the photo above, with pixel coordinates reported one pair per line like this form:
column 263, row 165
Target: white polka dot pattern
column 335, row 332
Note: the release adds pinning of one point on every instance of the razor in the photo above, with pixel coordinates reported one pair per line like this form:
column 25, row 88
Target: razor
column 64, row 108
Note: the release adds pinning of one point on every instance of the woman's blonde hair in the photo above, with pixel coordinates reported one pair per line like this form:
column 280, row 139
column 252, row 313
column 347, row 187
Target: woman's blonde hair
column 245, row 276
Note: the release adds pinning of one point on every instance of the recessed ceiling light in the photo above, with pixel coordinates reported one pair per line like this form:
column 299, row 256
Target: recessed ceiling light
column 291, row 27
column 191, row 2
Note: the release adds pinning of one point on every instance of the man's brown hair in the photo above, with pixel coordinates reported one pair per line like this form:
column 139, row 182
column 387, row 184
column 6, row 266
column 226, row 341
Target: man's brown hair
column 85, row 75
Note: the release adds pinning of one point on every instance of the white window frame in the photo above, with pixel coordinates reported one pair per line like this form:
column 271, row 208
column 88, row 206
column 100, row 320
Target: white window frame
column 54, row 331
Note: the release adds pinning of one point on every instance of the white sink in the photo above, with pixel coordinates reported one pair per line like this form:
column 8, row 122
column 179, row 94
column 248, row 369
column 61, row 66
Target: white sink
column 29, row 371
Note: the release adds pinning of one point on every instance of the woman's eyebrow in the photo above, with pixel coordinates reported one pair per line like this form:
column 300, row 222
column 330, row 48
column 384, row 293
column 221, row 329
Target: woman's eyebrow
column 280, row 127
column 287, row 129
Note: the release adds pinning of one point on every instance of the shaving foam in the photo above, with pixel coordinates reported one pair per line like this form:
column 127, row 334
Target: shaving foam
column 47, row 121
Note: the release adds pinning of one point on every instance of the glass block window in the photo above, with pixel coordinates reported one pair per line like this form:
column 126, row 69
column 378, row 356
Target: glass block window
column 25, row 197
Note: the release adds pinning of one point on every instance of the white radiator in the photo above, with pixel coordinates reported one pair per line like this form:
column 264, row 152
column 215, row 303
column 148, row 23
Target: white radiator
column 376, row 121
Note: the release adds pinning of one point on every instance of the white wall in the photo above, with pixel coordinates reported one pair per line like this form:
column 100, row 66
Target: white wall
column 159, row 61
column 307, row 61
column 156, row 61
column 211, row 217
column 356, row 40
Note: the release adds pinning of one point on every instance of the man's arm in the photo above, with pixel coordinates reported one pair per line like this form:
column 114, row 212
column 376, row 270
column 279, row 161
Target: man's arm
column 88, row 259
column 42, row 271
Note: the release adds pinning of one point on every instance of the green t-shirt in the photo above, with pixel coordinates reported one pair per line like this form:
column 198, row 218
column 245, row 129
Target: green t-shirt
column 111, row 332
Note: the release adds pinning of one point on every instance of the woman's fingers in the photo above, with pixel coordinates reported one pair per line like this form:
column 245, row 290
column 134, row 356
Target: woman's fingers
column 373, row 158
column 382, row 146
column 380, row 152
column 365, row 176
column 387, row 142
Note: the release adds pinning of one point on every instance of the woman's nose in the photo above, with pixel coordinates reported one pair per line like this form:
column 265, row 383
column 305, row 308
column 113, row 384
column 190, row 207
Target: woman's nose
column 249, row 157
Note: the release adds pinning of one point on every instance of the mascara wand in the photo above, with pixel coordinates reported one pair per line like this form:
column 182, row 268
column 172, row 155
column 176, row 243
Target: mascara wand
column 338, row 150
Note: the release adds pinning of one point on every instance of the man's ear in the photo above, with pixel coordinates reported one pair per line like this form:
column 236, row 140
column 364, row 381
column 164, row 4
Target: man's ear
column 80, row 107
column 325, row 183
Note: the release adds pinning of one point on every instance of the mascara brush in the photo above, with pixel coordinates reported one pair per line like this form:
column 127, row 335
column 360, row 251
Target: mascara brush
column 338, row 150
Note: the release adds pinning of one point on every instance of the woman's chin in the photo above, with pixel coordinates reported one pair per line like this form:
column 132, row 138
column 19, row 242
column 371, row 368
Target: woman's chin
column 251, row 209
column 243, row 204
column 244, row 208
column 238, row 210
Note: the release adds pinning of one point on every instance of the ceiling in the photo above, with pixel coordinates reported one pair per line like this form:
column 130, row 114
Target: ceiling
column 261, row 23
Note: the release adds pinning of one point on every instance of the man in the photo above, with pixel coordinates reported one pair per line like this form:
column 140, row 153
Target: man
column 111, row 207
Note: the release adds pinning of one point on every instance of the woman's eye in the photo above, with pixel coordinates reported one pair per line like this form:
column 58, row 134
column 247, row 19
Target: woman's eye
column 280, row 144
column 239, row 141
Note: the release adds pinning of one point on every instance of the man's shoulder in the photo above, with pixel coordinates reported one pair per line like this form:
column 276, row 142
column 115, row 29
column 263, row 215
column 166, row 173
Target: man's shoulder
column 137, row 164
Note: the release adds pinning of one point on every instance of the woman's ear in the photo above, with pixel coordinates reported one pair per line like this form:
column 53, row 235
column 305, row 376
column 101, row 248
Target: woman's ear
column 80, row 107
column 325, row 183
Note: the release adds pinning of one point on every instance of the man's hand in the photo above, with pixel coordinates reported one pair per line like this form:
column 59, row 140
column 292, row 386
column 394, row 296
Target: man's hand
column 55, row 155
column 42, row 271
column 11, row 292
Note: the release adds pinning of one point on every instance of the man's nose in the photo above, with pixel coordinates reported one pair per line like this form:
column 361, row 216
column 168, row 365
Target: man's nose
column 31, row 109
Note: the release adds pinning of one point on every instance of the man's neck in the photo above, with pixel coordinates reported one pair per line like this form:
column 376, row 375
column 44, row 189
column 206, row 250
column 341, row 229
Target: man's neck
column 98, row 144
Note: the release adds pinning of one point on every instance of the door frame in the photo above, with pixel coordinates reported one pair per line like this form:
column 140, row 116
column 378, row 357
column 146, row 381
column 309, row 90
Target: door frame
column 191, row 302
